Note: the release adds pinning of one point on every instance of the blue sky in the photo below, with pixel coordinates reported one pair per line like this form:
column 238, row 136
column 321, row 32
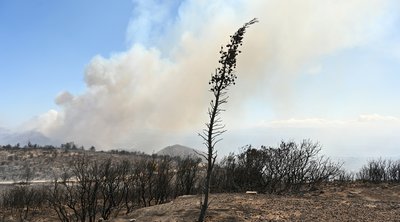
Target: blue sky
column 133, row 74
column 46, row 45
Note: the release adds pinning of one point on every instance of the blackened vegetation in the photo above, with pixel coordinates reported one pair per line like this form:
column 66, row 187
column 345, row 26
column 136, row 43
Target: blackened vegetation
column 95, row 185
column 380, row 170
column 187, row 171
column 113, row 187
column 223, row 77
column 288, row 168
column 23, row 202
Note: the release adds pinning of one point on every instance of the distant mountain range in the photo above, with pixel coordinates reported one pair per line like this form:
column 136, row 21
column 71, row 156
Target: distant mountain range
column 181, row 151
column 23, row 138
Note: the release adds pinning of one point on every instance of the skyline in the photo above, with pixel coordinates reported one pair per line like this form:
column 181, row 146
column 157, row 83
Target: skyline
column 135, row 74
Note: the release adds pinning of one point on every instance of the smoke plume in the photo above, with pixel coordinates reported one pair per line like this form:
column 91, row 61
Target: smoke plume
column 144, row 97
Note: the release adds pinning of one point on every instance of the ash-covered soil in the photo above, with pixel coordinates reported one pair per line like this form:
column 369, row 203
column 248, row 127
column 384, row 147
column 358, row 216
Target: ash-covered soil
column 356, row 202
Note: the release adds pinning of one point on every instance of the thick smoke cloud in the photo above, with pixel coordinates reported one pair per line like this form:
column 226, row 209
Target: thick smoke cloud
column 145, row 97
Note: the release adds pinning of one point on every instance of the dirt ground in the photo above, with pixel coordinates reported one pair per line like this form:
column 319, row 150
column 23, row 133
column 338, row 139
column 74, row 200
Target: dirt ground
column 334, row 203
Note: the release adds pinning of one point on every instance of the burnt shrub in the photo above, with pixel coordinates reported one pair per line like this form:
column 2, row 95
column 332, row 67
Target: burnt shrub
column 187, row 175
column 380, row 170
column 23, row 201
column 288, row 167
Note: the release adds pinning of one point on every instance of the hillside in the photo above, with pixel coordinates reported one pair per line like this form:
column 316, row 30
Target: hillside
column 354, row 202
column 179, row 151
column 337, row 200
column 45, row 163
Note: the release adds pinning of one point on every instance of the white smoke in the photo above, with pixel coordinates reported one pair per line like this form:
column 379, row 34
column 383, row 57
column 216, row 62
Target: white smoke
column 156, row 90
